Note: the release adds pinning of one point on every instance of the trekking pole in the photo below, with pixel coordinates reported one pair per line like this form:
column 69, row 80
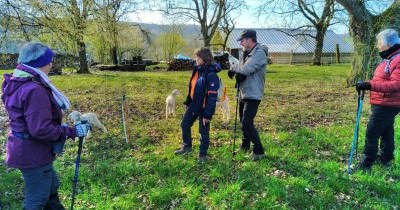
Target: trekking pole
column 234, row 132
column 75, row 180
column 357, row 127
column 354, row 143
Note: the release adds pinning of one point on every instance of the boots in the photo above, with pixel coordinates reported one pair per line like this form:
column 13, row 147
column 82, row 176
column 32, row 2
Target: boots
column 53, row 203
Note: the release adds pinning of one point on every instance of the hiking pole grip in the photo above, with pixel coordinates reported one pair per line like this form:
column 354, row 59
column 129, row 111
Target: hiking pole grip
column 76, row 175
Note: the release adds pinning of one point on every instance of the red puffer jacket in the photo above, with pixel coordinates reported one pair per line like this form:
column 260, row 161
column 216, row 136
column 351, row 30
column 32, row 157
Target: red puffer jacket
column 385, row 85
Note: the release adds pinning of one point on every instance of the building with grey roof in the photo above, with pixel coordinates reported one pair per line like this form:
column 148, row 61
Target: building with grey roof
column 287, row 46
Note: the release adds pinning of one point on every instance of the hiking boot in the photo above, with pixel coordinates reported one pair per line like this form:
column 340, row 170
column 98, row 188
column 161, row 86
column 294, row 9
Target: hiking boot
column 363, row 167
column 257, row 157
column 386, row 164
column 202, row 159
column 183, row 151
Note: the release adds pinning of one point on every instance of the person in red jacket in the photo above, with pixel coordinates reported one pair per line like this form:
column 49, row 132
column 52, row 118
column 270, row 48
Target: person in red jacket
column 385, row 102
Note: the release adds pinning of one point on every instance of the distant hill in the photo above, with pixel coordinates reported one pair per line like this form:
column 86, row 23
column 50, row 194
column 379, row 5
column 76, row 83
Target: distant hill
column 188, row 31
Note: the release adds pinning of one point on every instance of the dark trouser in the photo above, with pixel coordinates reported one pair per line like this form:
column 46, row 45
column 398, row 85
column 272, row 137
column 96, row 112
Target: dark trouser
column 247, row 112
column 41, row 185
column 186, row 124
column 380, row 125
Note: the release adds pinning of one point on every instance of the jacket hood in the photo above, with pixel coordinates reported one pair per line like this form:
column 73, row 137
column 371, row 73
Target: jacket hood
column 264, row 48
column 213, row 67
column 11, row 84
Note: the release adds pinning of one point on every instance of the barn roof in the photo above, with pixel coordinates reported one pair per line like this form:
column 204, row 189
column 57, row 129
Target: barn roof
column 288, row 40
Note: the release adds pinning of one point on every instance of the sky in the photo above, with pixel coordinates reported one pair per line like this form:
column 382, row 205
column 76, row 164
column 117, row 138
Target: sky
column 245, row 19
column 249, row 19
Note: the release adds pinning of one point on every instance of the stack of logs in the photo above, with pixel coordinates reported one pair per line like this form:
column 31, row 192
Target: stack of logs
column 180, row 65
column 222, row 60
column 139, row 67
column 184, row 65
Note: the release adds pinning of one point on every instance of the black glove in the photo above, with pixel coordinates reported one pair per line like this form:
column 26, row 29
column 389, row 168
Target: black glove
column 239, row 77
column 363, row 86
column 231, row 74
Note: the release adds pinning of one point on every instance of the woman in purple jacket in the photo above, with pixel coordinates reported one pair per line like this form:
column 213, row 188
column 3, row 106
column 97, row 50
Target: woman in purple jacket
column 35, row 108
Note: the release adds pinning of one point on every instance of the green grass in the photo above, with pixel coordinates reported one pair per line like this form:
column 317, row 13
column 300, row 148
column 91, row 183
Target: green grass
column 306, row 124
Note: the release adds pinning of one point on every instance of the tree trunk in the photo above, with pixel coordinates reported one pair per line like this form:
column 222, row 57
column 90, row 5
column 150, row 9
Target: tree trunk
column 319, row 43
column 363, row 28
column 337, row 54
column 206, row 37
column 83, row 66
column 228, row 33
column 362, row 33
column 114, row 55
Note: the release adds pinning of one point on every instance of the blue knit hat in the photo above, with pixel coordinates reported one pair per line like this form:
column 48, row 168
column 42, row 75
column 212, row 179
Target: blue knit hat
column 43, row 60
column 35, row 54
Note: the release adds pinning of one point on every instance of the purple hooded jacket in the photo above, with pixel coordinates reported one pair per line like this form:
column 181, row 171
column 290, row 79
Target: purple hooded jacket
column 32, row 111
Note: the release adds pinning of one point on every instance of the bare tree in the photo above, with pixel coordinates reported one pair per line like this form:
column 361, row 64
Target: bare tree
column 364, row 25
column 207, row 13
column 227, row 24
column 318, row 13
column 109, row 14
column 66, row 19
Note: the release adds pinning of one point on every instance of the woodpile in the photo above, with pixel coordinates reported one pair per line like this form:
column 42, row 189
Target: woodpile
column 222, row 60
column 140, row 67
column 185, row 65
column 180, row 65
column 9, row 61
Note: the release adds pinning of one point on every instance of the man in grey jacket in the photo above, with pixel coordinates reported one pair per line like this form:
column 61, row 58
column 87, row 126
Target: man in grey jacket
column 250, row 78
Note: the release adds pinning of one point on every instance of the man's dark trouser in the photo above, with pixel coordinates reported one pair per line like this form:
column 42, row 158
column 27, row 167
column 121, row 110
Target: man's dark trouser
column 247, row 112
column 186, row 124
column 41, row 185
column 380, row 125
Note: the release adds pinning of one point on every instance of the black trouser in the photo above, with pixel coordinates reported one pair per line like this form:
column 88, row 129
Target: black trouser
column 380, row 125
column 247, row 111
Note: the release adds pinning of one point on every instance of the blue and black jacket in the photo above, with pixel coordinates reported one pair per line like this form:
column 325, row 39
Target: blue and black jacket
column 205, row 91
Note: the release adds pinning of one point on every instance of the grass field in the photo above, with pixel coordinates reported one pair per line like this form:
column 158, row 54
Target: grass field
column 306, row 124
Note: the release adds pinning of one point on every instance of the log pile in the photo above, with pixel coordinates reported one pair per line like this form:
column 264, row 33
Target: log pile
column 222, row 60
column 180, row 65
column 9, row 61
column 140, row 67
column 185, row 65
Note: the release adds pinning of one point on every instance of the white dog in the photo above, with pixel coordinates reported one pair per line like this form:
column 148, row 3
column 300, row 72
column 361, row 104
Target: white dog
column 91, row 118
column 170, row 102
column 224, row 107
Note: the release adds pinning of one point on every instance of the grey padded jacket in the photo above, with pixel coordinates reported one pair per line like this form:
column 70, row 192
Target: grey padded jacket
column 254, row 68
